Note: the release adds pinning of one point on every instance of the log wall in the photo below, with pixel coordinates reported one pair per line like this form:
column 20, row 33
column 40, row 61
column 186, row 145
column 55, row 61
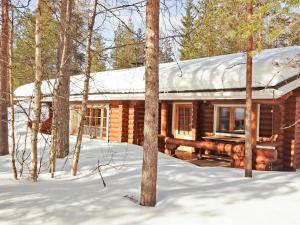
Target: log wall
column 289, row 133
column 119, row 117
column 140, row 113
column 265, row 120
column 126, row 124
column 206, row 119
column 297, row 135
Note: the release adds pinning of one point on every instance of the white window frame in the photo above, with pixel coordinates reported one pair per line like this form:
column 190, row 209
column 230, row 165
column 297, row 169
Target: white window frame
column 216, row 106
column 94, row 106
column 174, row 116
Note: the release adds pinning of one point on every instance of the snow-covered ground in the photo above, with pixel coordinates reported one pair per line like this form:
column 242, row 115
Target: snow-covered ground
column 187, row 194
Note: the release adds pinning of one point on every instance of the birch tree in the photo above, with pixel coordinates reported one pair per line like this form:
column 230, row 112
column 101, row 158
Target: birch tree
column 37, row 92
column 61, row 113
column 85, row 89
column 149, row 170
column 11, row 89
column 4, row 96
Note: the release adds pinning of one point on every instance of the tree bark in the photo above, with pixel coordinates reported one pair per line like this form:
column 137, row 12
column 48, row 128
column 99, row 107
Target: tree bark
column 248, row 120
column 149, row 170
column 11, row 90
column 4, row 90
column 37, row 92
column 85, row 90
column 61, row 111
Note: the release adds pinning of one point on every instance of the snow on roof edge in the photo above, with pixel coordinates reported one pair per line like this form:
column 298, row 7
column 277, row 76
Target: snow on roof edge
column 220, row 73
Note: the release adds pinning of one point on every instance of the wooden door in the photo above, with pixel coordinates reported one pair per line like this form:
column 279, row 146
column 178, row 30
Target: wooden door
column 183, row 121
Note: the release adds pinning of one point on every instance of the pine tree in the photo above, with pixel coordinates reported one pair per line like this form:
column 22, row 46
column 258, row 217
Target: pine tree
column 124, row 54
column 149, row 170
column 4, row 87
column 220, row 27
column 98, row 56
column 23, row 61
column 61, row 112
column 187, row 40
column 139, row 48
column 166, row 52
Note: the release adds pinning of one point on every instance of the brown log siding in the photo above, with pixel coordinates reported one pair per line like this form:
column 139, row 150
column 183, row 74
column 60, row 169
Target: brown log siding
column 205, row 119
column 265, row 120
column 289, row 133
column 297, row 135
column 126, row 124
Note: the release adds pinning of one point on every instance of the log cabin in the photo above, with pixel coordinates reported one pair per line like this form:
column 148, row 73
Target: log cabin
column 202, row 107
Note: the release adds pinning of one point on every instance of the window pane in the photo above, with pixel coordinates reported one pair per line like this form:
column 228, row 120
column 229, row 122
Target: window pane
column 224, row 118
column 239, row 120
column 184, row 120
column 95, row 123
column 98, row 113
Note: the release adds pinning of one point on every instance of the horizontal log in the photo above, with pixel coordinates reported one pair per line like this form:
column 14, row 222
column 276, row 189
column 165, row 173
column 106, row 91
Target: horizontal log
column 208, row 145
column 224, row 158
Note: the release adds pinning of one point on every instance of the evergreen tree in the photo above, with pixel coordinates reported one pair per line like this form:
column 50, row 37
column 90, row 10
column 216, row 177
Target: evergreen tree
column 187, row 40
column 220, row 26
column 165, row 51
column 139, row 48
column 98, row 57
column 127, row 53
column 23, row 61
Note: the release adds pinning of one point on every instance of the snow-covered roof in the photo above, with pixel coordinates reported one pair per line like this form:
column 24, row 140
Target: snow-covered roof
column 275, row 73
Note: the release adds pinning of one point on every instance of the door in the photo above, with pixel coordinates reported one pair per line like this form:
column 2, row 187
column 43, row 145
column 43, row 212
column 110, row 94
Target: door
column 183, row 121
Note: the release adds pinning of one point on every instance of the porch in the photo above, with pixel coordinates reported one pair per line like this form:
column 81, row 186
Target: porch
column 215, row 130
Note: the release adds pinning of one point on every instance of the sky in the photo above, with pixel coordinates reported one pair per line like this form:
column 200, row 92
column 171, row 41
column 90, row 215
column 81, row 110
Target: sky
column 171, row 12
column 170, row 18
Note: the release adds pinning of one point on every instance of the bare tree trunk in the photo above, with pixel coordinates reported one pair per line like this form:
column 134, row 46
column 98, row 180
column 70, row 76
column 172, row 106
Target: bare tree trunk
column 85, row 90
column 149, row 171
column 11, row 90
column 4, row 96
column 37, row 92
column 248, row 122
column 61, row 113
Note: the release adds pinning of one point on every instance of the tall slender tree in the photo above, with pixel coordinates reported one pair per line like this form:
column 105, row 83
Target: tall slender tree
column 149, row 170
column 85, row 89
column 4, row 90
column 11, row 90
column 61, row 112
column 248, row 119
column 37, row 92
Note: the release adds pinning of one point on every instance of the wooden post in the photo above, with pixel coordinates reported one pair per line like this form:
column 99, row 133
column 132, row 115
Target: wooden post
column 296, row 150
column 248, row 120
column 254, row 127
column 194, row 120
column 132, row 123
column 149, row 170
column 164, row 119
column 280, row 132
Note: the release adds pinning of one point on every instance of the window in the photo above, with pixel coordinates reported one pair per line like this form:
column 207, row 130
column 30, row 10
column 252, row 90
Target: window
column 183, row 119
column 230, row 119
column 95, row 124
